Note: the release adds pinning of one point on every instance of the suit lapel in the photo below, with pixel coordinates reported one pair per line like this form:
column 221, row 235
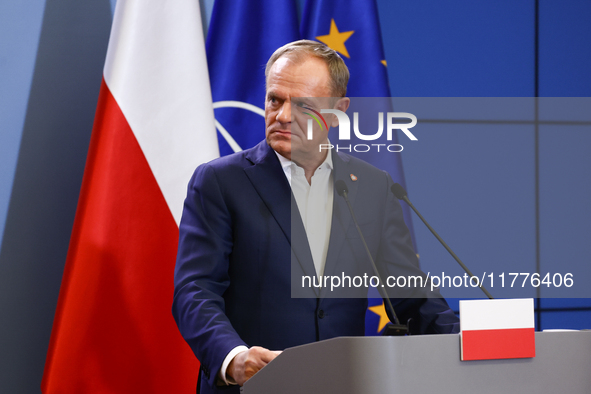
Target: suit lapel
column 300, row 244
column 268, row 179
column 341, row 217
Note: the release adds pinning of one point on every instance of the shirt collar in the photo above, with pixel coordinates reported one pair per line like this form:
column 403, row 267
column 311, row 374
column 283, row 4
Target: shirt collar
column 286, row 163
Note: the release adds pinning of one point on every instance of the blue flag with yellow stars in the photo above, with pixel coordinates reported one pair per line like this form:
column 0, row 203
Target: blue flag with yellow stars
column 352, row 28
column 242, row 36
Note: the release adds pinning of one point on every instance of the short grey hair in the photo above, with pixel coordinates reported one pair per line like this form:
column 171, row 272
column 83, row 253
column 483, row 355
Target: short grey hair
column 299, row 50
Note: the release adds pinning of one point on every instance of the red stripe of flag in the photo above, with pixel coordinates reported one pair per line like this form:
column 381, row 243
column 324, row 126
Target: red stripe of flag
column 498, row 344
column 113, row 329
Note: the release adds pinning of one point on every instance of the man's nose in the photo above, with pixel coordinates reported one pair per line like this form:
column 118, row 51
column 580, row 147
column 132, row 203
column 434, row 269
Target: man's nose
column 284, row 115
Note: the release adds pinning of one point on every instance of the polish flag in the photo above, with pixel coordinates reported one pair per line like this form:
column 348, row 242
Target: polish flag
column 497, row 329
column 113, row 330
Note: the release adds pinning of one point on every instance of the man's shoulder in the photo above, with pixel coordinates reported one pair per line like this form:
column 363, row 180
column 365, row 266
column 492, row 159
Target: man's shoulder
column 358, row 164
column 231, row 168
column 237, row 160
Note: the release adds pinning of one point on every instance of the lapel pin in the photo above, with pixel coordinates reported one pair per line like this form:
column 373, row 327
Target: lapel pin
column 353, row 177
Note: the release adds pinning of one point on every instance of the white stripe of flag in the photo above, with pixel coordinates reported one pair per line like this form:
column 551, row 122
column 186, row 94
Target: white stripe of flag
column 497, row 329
column 167, row 104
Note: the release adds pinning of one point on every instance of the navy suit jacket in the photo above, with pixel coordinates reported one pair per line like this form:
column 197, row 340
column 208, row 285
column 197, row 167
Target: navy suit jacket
column 242, row 243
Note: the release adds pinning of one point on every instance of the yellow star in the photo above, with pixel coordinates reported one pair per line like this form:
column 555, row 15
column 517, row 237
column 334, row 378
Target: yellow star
column 336, row 40
column 380, row 310
column 384, row 63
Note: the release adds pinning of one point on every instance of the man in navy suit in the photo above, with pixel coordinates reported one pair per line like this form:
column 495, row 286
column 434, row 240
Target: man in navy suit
column 256, row 222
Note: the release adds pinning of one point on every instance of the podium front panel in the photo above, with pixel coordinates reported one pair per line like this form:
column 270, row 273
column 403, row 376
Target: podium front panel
column 425, row 364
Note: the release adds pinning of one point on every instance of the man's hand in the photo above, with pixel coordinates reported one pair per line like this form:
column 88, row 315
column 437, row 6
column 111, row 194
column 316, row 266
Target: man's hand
column 247, row 363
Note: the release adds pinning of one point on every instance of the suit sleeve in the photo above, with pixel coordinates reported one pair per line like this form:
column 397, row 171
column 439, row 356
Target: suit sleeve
column 201, row 273
column 429, row 312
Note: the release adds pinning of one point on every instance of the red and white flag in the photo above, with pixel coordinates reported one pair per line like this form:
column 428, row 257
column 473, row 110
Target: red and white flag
column 497, row 329
column 113, row 329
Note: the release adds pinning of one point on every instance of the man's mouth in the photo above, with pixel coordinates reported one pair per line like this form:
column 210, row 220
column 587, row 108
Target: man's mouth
column 282, row 132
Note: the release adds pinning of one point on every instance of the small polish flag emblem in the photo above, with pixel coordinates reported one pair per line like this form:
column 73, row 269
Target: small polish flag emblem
column 353, row 177
column 497, row 329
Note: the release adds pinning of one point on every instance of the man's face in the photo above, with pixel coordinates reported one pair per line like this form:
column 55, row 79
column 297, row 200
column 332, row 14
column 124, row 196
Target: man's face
column 286, row 81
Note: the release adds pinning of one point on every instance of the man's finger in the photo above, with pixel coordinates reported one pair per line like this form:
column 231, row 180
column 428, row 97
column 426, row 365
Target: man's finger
column 248, row 363
column 268, row 355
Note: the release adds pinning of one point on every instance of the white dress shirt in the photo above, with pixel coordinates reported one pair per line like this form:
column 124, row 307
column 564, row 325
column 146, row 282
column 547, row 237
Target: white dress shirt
column 314, row 202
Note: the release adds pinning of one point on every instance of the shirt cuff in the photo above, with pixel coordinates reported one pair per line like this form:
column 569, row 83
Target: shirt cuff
column 226, row 379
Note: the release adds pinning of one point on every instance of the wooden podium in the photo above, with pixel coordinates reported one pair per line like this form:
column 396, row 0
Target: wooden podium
column 425, row 364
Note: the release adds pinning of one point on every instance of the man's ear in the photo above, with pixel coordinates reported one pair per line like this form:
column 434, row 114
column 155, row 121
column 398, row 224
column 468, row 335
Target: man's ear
column 342, row 104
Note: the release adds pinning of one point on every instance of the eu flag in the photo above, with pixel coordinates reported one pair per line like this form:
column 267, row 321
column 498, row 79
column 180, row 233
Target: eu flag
column 242, row 36
column 352, row 28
